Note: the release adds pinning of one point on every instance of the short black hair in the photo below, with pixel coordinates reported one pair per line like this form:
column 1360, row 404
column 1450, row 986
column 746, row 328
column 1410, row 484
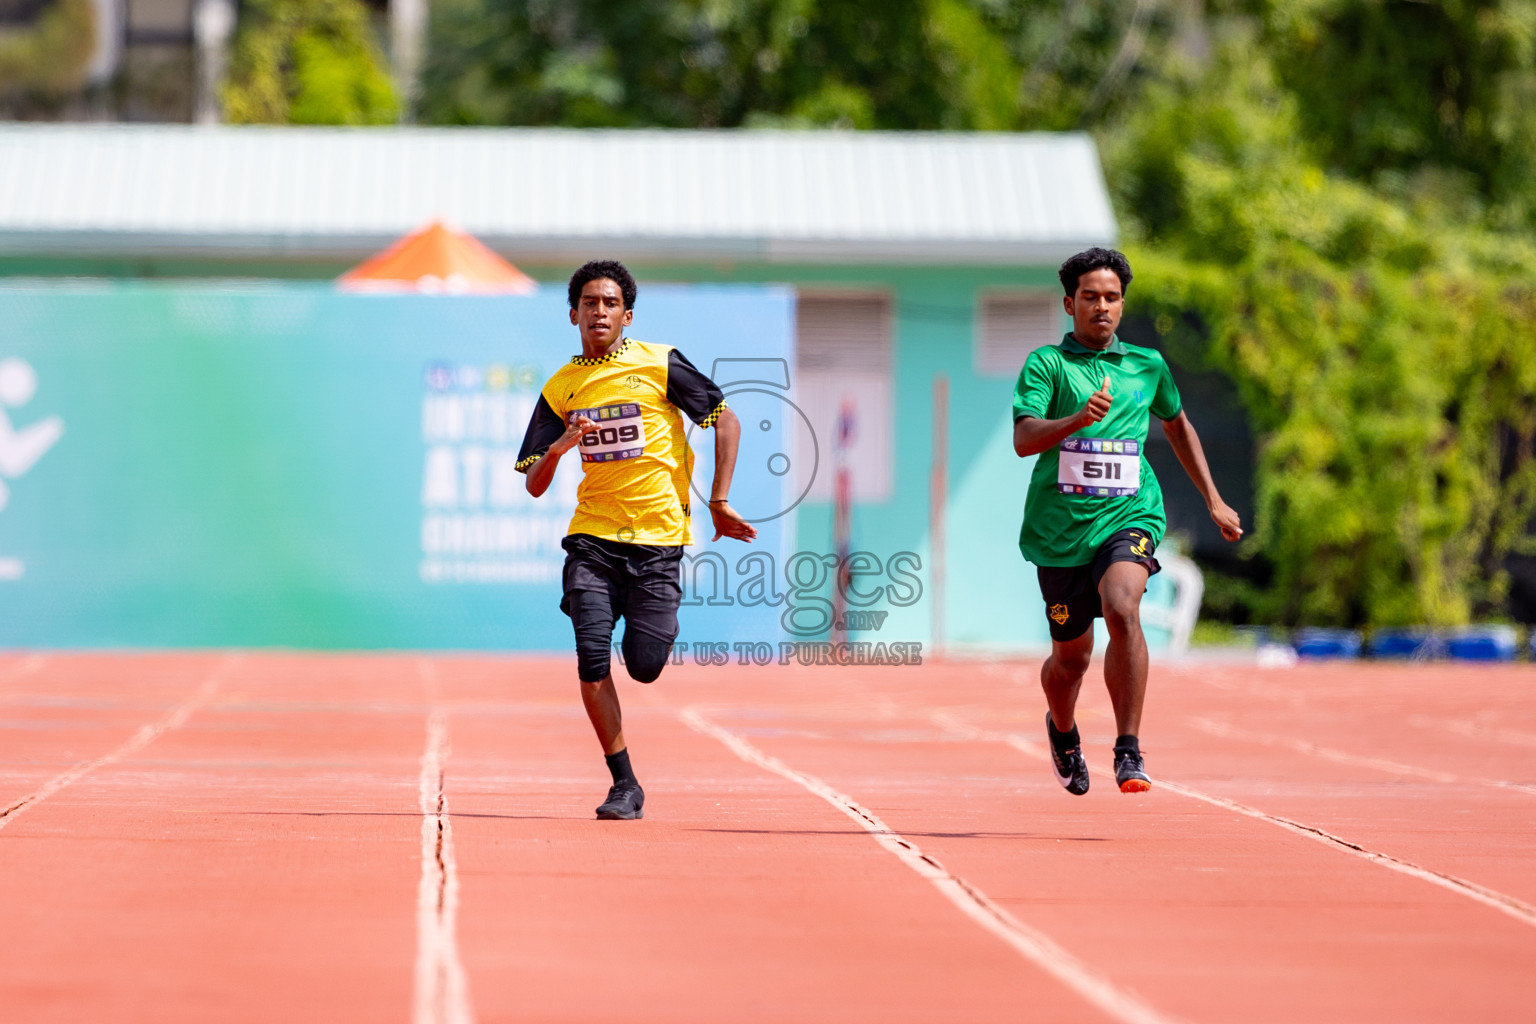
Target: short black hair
column 596, row 270
column 1095, row 259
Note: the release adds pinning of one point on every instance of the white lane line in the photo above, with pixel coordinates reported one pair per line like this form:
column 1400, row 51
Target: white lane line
column 1475, row 730
column 1226, row 731
column 138, row 741
column 1502, row 902
column 442, row 991
column 25, row 667
column 1034, row 946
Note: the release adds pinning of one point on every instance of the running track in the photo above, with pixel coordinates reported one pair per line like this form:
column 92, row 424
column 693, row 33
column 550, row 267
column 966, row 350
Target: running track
column 267, row 837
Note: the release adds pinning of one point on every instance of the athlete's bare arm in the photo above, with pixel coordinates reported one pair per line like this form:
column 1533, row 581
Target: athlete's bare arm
column 1032, row 436
column 728, row 523
column 543, row 471
column 1186, row 445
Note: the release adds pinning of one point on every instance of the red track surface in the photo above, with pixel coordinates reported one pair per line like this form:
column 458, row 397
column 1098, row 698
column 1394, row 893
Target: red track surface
column 253, row 837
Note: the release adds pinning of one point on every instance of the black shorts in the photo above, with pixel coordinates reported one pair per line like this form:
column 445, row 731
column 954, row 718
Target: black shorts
column 1071, row 592
column 606, row 579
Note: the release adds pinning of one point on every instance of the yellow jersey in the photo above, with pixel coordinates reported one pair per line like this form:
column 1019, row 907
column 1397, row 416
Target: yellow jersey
column 637, row 465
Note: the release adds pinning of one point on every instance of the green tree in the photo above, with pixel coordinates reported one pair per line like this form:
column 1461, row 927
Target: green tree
column 46, row 62
column 307, row 62
column 1416, row 96
column 721, row 63
column 1383, row 353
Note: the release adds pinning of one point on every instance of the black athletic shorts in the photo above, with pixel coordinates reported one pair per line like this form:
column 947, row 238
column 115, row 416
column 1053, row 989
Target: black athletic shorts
column 1072, row 592
column 606, row 579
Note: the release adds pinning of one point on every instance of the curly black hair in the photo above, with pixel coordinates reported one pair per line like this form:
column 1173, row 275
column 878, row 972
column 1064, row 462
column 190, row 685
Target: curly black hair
column 1095, row 259
column 596, row 270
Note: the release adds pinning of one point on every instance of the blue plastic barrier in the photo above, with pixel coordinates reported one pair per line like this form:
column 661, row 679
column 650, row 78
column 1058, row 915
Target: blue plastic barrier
column 1417, row 643
column 1482, row 643
column 1327, row 643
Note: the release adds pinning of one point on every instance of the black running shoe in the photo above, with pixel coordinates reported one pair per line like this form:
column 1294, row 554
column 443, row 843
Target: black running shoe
column 1130, row 772
column 1070, row 768
column 625, row 800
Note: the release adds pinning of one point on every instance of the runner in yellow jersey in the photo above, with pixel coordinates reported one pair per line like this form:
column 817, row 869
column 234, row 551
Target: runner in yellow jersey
column 621, row 404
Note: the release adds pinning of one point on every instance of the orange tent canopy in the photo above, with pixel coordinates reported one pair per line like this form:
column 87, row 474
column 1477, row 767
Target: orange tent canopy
column 438, row 260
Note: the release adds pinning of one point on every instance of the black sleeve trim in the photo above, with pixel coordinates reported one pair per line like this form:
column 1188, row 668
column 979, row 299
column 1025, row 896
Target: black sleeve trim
column 544, row 429
column 696, row 395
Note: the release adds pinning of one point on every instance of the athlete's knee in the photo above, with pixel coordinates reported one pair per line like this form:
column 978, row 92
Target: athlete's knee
column 592, row 621
column 593, row 661
column 1068, row 661
column 644, row 659
column 1122, row 612
column 593, row 653
column 1070, row 664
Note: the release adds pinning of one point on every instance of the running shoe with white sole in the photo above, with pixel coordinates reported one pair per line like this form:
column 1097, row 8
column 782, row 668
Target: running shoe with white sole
column 1070, row 768
column 1130, row 771
column 625, row 800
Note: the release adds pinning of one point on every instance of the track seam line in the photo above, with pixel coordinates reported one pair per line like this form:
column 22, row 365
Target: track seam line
column 442, row 990
column 1225, row 730
column 1515, row 908
column 145, row 735
column 1473, row 730
column 26, row 667
column 1034, row 946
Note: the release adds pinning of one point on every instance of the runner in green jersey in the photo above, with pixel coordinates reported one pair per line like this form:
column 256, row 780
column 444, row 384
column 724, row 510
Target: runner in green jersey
column 1094, row 514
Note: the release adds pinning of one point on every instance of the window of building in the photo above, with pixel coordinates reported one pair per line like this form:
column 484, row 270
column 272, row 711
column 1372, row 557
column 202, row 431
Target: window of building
column 843, row 357
column 1011, row 325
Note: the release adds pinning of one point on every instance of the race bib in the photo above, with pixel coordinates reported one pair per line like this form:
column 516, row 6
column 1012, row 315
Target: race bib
column 1100, row 466
column 620, row 433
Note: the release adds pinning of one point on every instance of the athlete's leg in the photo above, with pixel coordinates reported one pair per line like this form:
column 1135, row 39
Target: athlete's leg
column 592, row 616
column 1125, row 659
column 601, row 700
column 1062, row 677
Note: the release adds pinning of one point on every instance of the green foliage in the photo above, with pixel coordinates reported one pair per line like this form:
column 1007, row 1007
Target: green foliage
column 1392, row 90
column 719, row 63
column 925, row 64
column 48, row 58
column 307, row 62
column 1384, row 356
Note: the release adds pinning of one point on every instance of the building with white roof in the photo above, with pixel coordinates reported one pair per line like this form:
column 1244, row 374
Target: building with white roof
column 546, row 195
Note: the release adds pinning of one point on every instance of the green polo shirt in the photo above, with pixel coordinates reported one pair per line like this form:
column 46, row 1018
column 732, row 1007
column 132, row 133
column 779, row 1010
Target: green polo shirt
column 1064, row 529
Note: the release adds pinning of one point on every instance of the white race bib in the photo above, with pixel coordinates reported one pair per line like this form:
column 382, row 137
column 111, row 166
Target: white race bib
column 1100, row 466
column 620, row 433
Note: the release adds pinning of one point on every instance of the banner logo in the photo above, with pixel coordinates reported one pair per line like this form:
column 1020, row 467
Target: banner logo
column 20, row 449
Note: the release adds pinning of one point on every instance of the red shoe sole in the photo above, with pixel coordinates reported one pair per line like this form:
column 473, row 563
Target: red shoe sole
column 1135, row 786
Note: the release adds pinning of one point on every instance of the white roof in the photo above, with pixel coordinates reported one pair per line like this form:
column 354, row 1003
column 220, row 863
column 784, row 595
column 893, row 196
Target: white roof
column 557, row 194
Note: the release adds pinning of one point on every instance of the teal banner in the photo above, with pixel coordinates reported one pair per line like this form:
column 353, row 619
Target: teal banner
column 290, row 466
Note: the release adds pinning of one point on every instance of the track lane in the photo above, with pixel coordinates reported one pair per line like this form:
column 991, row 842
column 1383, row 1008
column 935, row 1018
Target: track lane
column 739, row 897
column 263, row 860
column 1358, row 772
column 1239, row 912
column 61, row 713
column 257, row 863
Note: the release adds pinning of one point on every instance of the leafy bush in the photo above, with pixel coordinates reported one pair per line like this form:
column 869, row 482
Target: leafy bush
column 307, row 62
column 1384, row 352
column 48, row 59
